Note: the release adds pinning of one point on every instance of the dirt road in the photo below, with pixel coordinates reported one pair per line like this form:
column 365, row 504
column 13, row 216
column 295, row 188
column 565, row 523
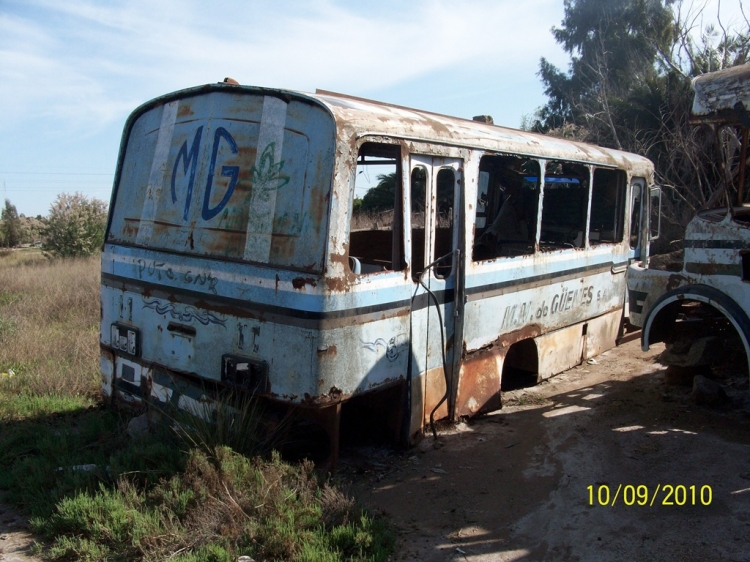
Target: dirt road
column 15, row 540
column 515, row 485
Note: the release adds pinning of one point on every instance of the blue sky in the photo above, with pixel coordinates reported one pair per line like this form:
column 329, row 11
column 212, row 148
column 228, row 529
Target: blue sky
column 71, row 71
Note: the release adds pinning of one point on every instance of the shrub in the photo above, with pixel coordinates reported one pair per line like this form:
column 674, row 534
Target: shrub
column 75, row 226
column 10, row 227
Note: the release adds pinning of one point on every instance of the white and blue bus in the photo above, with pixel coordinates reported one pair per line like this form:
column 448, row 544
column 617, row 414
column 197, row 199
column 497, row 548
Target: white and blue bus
column 343, row 257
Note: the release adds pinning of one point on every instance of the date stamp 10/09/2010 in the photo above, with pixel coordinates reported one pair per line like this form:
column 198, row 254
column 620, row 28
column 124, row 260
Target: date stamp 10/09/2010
column 642, row 495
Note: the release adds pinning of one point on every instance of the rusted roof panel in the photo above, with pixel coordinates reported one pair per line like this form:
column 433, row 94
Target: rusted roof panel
column 720, row 91
column 367, row 117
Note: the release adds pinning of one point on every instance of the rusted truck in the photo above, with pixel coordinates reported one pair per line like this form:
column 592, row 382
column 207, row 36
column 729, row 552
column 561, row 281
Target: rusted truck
column 349, row 259
column 701, row 304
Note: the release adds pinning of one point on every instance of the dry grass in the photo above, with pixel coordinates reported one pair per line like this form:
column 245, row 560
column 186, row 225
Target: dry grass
column 49, row 324
column 11, row 257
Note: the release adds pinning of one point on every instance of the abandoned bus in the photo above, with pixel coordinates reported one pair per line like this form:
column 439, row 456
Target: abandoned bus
column 343, row 257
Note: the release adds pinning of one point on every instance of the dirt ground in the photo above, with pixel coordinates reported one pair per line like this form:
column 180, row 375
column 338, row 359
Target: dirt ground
column 15, row 539
column 514, row 485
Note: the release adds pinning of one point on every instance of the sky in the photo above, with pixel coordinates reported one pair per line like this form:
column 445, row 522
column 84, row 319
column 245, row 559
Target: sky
column 72, row 71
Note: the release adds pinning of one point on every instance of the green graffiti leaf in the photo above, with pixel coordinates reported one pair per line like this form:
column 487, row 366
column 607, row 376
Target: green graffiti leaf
column 268, row 171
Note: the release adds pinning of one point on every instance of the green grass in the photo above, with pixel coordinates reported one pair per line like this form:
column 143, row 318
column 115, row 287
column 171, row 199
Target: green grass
column 188, row 490
column 97, row 494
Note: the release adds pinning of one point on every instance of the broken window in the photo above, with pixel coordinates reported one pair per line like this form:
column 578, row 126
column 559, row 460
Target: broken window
column 444, row 223
column 635, row 214
column 564, row 206
column 507, row 203
column 375, row 239
column 607, row 206
column 418, row 202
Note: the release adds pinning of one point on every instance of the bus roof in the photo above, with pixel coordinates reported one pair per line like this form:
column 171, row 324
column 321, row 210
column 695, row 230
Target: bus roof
column 361, row 117
column 368, row 117
column 722, row 96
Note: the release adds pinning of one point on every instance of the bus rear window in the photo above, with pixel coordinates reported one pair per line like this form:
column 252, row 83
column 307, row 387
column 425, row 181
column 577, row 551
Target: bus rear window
column 232, row 176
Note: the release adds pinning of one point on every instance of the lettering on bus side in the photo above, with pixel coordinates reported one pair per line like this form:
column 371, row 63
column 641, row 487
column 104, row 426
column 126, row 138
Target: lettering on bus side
column 151, row 268
column 567, row 299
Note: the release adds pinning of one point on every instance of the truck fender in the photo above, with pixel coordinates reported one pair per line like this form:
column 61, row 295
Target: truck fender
column 705, row 294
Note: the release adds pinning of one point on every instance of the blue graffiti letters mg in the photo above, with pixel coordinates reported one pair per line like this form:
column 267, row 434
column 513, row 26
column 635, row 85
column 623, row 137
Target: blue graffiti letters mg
column 189, row 162
column 231, row 172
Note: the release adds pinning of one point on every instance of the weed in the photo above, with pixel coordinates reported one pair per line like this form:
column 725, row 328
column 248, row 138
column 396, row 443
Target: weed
column 234, row 419
column 220, row 505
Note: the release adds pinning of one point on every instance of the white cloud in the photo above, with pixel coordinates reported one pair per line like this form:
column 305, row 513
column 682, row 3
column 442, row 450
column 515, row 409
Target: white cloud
column 84, row 64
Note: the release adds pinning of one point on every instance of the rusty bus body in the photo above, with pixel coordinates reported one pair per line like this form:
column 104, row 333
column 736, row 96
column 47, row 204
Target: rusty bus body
column 703, row 301
column 237, row 255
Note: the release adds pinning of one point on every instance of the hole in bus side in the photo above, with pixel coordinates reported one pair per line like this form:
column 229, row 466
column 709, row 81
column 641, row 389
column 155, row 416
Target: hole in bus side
column 507, row 204
column 564, row 206
column 521, row 366
column 375, row 239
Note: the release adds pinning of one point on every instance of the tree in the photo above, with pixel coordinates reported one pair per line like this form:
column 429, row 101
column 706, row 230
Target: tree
column 382, row 196
column 75, row 226
column 11, row 225
column 628, row 86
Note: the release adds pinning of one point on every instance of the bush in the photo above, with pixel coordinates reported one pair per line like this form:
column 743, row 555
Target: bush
column 75, row 226
column 10, row 225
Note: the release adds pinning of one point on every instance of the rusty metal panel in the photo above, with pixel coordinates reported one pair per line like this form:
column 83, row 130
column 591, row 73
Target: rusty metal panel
column 601, row 333
column 434, row 389
column 722, row 90
column 560, row 350
column 479, row 386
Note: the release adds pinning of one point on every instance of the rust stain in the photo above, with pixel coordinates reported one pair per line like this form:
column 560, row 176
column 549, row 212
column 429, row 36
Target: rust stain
column 333, row 396
column 300, row 282
column 330, row 351
column 675, row 281
column 479, row 382
column 185, row 110
column 336, row 284
column 434, row 392
column 529, row 331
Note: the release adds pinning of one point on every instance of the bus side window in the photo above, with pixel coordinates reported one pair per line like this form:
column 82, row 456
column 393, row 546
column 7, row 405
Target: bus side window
column 507, row 203
column 375, row 229
column 607, row 206
column 564, row 206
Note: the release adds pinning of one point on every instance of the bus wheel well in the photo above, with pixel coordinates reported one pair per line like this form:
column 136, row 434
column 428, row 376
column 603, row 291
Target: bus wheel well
column 520, row 366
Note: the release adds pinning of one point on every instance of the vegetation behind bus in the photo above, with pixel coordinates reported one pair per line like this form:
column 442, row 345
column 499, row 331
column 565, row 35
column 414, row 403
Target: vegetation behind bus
column 629, row 87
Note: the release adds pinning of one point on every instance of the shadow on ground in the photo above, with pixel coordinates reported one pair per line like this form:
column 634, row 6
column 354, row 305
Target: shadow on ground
column 604, row 462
